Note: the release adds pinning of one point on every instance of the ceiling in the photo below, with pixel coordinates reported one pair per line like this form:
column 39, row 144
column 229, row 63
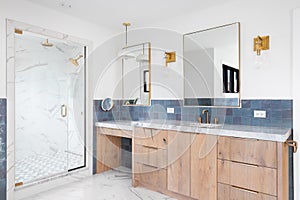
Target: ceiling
column 141, row 13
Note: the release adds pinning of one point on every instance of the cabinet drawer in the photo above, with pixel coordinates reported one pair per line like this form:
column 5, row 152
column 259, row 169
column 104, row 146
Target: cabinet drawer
column 151, row 175
column 151, row 137
column 150, row 156
column 257, row 152
column 255, row 178
column 115, row 132
column 227, row 192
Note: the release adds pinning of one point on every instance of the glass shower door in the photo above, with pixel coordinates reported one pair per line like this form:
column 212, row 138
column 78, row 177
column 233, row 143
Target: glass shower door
column 44, row 100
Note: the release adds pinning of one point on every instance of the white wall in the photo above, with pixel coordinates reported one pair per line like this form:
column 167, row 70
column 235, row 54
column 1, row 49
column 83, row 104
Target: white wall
column 167, row 82
column 268, row 76
column 296, row 96
column 27, row 12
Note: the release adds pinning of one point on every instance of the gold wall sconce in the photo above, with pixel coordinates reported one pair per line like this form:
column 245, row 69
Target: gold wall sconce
column 261, row 43
column 170, row 57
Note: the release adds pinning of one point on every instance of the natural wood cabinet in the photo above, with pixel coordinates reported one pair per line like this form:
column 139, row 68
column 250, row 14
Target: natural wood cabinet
column 204, row 167
column 251, row 151
column 200, row 166
column 108, row 152
column 250, row 169
column 251, row 177
column 227, row 192
column 150, row 158
column 179, row 159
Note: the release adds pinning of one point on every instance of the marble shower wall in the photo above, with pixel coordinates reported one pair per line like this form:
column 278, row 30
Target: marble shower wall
column 45, row 80
column 3, row 149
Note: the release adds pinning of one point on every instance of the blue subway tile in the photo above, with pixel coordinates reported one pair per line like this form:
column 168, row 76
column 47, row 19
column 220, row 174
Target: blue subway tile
column 287, row 114
column 255, row 104
column 237, row 112
column 286, row 104
column 265, row 104
column 237, row 120
column 246, row 104
column 229, row 112
column 276, row 104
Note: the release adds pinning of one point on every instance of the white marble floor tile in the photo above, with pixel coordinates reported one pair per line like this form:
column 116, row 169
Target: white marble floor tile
column 111, row 185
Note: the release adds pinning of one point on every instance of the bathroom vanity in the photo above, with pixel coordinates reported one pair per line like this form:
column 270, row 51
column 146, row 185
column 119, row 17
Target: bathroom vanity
column 190, row 161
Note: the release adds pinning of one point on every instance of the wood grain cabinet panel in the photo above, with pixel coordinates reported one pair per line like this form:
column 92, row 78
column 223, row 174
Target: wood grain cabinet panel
column 257, row 152
column 179, row 158
column 151, row 137
column 108, row 152
column 204, row 167
column 227, row 192
column 151, row 175
column 115, row 132
column 254, row 178
column 150, row 156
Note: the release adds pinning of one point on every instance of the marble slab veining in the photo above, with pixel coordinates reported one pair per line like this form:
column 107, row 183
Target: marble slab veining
column 252, row 132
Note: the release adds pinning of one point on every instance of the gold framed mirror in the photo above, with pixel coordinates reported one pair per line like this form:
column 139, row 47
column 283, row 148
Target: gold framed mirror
column 212, row 67
column 136, row 74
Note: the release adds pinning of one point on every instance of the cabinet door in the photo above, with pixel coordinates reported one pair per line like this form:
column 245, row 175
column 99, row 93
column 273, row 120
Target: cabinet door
column 227, row 192
column 256, row 152
column 251, row 177
column 108, row 152
column 153, row 176
column 151, row 137
column 179, row 156
column 204, row 167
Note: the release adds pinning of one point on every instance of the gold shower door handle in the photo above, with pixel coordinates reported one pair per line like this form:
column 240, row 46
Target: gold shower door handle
column 63, row 111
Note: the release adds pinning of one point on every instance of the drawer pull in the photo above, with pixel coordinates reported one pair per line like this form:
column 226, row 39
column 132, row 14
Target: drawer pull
column 247, row 164
column 165, row 141
column 246, row 190
column 292, row 143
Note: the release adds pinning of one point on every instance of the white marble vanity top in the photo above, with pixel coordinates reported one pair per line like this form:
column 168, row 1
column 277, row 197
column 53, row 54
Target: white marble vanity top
column 253, row 132
column 124, row 125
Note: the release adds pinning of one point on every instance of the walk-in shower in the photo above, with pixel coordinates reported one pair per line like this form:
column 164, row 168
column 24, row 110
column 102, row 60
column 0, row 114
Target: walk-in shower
column 49, row 107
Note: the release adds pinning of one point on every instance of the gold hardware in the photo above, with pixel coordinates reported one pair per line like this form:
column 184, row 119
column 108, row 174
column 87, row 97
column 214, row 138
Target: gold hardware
column 170, row 57
column 18, row 31
column 216, row 120
column 126, row 24
column 63, row 111
column 292, row 143
column 203, row 112
column 200, row 120
column 261, row 43
column 19, row 184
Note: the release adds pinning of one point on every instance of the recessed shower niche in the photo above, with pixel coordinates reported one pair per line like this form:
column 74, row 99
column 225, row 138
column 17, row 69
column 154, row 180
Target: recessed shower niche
column 49, row 107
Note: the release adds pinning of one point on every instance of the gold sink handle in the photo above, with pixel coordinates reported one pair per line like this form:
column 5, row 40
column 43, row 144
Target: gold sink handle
column 292, row 143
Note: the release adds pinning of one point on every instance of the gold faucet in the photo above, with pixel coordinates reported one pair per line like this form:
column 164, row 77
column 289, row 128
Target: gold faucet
column 203, row 112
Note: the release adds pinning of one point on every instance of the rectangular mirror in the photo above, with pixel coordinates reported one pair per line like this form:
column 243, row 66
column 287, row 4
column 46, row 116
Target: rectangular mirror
column 136, row 74
column 212, row 67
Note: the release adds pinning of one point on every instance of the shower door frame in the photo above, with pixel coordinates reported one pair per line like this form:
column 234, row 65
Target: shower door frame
column 11, row 26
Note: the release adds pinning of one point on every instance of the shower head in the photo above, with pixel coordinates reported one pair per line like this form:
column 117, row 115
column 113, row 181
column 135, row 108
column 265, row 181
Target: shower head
column 74, row 61
column 47, row 44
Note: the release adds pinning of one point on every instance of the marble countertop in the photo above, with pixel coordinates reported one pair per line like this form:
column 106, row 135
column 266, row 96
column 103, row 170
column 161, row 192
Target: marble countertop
column 254, row 132
column 124, row 125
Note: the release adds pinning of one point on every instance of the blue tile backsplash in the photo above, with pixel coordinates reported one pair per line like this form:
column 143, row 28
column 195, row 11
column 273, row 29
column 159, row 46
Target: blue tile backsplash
column 3, row 149
column 279, row 112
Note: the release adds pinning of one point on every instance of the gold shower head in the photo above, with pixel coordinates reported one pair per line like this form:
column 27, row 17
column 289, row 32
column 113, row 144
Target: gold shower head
column 74, row 61
column 47, row 44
